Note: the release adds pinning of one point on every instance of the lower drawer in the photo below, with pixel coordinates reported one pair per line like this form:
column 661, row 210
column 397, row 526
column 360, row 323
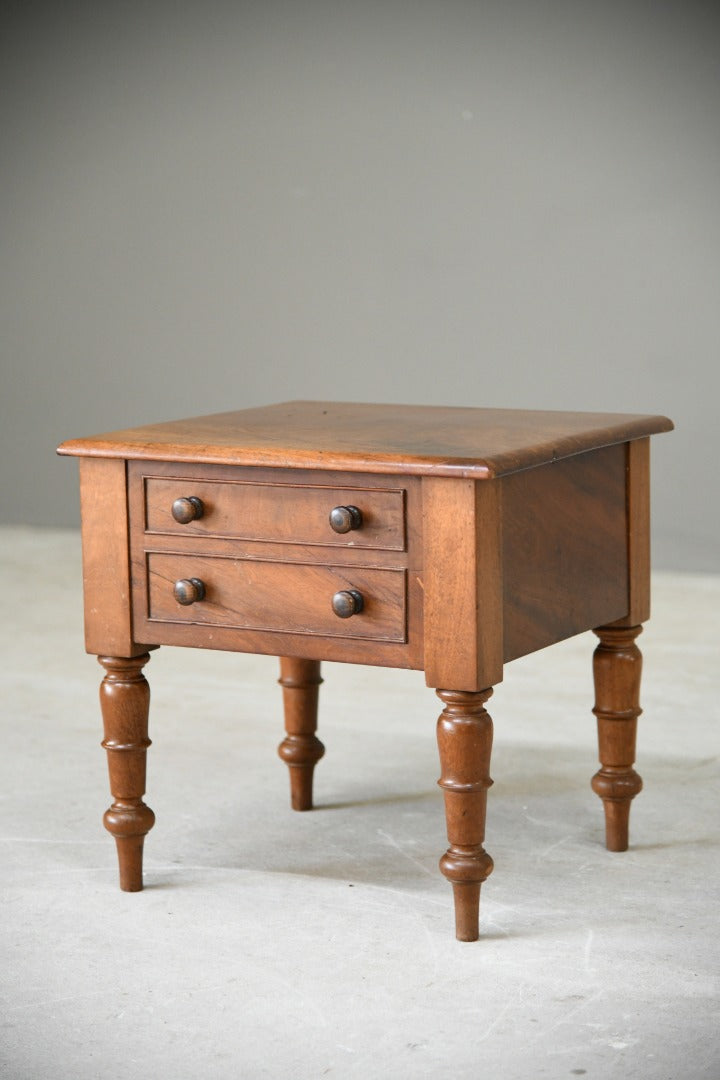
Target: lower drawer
column 291, row 597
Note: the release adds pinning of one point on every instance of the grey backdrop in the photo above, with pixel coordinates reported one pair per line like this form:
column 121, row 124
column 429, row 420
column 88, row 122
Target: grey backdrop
column 208, row 206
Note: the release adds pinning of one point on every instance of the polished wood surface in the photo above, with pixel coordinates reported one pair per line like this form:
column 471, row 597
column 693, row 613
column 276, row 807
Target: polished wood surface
column 276, row 510
column 106, row 559
column 185, row 510
column 125, row 701
column 638, row 532
column 464, row 735
column 188, row 591
column 401, row 439
column 289, row 513
column 565, row 549
column 462, row 583
column 617, row 668
column 447, row 540
column 348, row 602
column 286, row 597
column 300, row 749
column 272, row 564
column 345, row 519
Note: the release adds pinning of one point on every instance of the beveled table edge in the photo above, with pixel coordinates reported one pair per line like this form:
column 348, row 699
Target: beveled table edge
column 183, row 441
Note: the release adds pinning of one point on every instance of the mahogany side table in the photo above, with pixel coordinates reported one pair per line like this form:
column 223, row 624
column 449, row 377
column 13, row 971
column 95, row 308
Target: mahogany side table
column 449, row 540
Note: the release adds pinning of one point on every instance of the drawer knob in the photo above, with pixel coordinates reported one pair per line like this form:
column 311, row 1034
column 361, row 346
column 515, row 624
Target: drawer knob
column 188, row 590
column 348, row 602
column 186, row 510
column 345, row 518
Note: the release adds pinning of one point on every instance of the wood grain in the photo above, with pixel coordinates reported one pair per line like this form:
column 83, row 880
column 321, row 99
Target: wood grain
column 399, row 439
column 406, row 651
column 638, row 532
column 290, row 597
column 106, row 559
column 282, row 512
column 486, row 534
column 462, row 582
column 617, row 670
column 300, row 749
column 125, row 700
column 464, row 735
column 565, row 559
column 361, row 488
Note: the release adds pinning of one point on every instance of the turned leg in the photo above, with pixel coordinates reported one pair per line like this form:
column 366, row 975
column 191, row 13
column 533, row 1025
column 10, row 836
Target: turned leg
column 124, row 700
column 300, row 749
column 464, row 734
column 617, row 667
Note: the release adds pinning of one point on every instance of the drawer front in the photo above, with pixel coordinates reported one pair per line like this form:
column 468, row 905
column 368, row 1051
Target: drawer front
column 282, row 513
column 294, row 598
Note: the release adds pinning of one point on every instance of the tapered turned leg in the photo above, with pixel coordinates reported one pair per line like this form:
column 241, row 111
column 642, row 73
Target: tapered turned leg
column 464, row 734
column 125, row 700
column 300, row 749
column 617, row 667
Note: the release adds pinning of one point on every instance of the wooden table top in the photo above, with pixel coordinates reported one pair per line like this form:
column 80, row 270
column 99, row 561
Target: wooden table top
column 409, row 439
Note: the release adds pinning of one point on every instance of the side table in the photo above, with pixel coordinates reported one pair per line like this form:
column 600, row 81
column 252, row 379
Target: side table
column 448, row 540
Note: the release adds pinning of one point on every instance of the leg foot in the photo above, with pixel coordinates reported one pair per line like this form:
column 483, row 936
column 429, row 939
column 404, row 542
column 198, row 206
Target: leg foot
column 300, row 749
column 464, row 735
column 125, row 701
column 617, row 668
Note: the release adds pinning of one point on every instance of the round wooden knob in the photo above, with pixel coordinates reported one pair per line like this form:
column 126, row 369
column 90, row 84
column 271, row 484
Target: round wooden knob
column 188, row 590
column 345, row 518
column 186, row 510
column 348, row 602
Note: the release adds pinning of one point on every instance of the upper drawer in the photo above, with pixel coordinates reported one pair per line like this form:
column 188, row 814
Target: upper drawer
column 294, row 514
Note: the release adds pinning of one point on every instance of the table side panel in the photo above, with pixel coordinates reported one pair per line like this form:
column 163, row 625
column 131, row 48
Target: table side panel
column 638, row 523
column 565, row 549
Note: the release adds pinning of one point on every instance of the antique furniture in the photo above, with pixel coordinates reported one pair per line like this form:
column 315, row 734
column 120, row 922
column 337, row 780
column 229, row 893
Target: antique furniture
column 450, row 540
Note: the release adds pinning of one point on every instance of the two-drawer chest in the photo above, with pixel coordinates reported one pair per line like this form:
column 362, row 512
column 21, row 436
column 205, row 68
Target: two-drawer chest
column 448, row 540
